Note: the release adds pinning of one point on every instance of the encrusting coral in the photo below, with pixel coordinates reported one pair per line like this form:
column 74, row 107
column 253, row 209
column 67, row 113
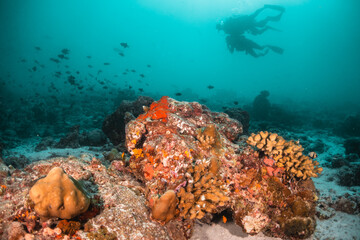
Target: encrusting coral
column 59, row 195
column 164, row 208
column 287, row 154
column 204, row 192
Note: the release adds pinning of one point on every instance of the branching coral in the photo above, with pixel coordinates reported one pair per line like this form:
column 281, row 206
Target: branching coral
column 205, row 191
column 287, row 154
column 209, row 137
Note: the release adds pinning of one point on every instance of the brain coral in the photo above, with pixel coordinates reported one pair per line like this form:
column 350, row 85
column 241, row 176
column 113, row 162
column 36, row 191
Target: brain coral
column 59, row 195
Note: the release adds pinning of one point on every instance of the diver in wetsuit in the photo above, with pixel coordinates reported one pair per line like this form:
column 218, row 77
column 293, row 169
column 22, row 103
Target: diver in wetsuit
column 242, row 44
column 237, row 26
column 248, row 24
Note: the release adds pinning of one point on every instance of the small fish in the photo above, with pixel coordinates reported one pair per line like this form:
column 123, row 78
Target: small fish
column 124, row 45
column 71, row 80
column 90, row 66
column 224, row 219
column 121, row 54
column 23, row 60
column 149, row 66
column 37, row 48
column 178, row 94
column 313, row 155
column 88, row 57
column 55, row 60
column 133, row 70
column 105, row 87
column 34, row 69
column 141, row 90
column 65, row 51
column 61, row 56
column 130, row 87
column 106, row 63
column 142, row 75
column 236, row 102
column 77, row 72
column 68, row 72
column 124, row 73
column 210, row 87
column 202, row 100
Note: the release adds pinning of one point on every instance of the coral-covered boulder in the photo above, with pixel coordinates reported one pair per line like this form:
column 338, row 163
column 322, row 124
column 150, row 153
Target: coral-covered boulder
column 184, row 148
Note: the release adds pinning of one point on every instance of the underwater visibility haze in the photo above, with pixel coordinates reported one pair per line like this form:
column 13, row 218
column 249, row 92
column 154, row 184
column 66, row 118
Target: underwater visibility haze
column 108, row 82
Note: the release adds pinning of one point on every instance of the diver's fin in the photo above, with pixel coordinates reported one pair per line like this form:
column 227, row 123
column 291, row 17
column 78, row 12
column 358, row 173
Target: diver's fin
column 274, row 29
column 278, row 50
column 275, row 7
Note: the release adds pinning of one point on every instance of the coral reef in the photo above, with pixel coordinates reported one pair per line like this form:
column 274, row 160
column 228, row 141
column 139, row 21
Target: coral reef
column 59, row 195
column 287, row 154
column 184, row 148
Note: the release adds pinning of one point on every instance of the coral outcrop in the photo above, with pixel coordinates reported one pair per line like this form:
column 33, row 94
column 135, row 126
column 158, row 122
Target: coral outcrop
column 287, row 154
column 59, row 195
column 184, row 148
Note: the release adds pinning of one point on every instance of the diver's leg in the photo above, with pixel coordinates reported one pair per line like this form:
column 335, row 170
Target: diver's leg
column 257, row 12
column 275, row 49
column 263, row 22
column 275, row 7
column 252, row 53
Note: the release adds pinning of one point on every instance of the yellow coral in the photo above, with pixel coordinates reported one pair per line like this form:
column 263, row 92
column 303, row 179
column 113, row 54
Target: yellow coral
column 287, row 154
column 59, row 195
column 138, row 152
column 164, row 208
column 204, row 191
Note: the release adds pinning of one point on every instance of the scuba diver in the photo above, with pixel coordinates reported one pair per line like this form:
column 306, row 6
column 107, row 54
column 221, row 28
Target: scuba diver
column 242, row 44
column 236, row 27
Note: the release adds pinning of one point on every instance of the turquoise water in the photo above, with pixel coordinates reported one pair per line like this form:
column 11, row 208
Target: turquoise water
column 176, row 46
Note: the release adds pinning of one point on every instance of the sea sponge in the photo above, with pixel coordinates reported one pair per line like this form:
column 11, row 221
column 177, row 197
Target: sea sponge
column 205, row 191
column 164, row 208
column 287, row 154
column 59, row 195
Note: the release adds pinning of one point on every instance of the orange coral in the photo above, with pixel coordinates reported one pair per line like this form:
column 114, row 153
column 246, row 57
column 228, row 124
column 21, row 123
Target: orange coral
column 148, row 171
column 69, row 227
column 157, row 110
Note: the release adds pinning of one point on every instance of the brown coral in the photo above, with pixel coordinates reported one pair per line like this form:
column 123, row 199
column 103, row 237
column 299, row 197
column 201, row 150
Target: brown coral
column 205, row 191
column 59, row 195
column 164, row 208
column 287, row 154
column 209, row 137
